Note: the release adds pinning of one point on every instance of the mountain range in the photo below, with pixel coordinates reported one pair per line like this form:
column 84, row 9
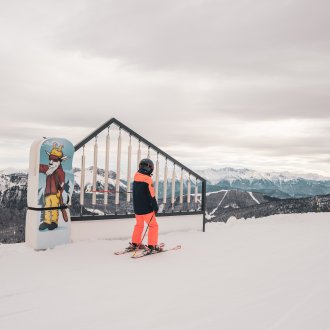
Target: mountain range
column 274, row 184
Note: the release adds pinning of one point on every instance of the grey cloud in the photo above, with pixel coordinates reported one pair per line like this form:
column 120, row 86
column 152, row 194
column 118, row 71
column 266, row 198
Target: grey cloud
column 276, row 63
column 198, row 34
column 311, row 139
column 275, row 102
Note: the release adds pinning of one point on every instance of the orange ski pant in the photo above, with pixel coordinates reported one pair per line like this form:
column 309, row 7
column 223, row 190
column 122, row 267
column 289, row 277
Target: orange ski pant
column 139, row 226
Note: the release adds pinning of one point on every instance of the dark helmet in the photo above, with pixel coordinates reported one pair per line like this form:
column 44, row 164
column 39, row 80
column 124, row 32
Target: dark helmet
column 146, row 166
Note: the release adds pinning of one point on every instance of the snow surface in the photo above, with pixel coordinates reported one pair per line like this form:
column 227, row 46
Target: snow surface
column 271, row 273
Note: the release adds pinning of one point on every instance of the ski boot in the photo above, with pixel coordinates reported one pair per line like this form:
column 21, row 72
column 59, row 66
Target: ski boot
column 154, row 249
column 134, row 246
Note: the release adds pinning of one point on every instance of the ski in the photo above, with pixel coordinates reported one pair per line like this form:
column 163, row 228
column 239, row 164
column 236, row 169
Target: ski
column 161, row 245
column 117, row 253
column 140, row 254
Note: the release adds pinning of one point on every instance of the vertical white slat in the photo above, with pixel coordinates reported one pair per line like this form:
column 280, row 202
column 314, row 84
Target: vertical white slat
column 106, row 171
column 188, row 191
column 94, row 173
column 129, row 170
column 157, row 178
column 118, row 168
column 82, row 179
column 181, row 187
column 165, row 184
column 173, row 187
column 138, row 156
column 196, row 192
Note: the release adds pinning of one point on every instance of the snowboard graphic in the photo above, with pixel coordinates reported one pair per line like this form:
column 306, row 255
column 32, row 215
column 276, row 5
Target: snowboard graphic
column 50, row 188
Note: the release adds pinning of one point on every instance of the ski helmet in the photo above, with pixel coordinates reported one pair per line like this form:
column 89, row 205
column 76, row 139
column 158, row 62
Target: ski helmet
column 146, row 166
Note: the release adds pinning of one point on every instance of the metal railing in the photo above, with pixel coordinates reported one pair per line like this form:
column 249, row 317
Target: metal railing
column 172, row 205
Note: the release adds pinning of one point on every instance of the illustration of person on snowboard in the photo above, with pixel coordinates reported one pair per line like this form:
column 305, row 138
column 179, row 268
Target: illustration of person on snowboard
column 55, row 181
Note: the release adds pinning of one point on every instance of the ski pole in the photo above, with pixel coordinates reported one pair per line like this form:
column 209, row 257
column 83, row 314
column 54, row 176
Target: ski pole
column 153, row 213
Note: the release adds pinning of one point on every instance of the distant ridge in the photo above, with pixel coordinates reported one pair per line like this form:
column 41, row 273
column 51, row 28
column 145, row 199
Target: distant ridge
column 229, row 173
column 12, row 170
column 274, row 184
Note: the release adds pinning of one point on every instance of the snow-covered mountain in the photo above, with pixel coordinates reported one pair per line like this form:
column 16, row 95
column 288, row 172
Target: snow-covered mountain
column 230, row 174
column 13, row 183
column 13, row 186
column 275, row 184
column 100, row 175
column 12, row 170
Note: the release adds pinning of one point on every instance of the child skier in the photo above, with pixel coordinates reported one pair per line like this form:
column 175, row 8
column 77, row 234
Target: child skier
column 145, row 207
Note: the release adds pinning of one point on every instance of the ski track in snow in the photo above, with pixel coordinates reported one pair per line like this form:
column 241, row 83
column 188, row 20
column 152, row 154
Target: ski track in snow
column 253, row 197
column 210, row 214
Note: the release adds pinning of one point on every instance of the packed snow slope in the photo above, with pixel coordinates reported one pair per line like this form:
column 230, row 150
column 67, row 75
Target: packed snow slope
column 268, row 273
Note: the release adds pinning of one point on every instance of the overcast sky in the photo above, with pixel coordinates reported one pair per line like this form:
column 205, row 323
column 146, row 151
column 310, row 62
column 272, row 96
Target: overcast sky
column 241, row 83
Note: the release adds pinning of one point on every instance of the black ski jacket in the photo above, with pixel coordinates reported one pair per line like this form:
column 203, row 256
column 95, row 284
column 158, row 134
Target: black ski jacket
column 144, row 200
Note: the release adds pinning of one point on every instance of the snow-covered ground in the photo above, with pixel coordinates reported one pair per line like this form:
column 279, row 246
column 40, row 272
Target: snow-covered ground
column 271, row 273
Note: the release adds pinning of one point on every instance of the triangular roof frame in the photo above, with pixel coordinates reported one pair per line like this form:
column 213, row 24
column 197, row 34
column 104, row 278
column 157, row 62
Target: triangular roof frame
column 161, row 152
column 140, row 138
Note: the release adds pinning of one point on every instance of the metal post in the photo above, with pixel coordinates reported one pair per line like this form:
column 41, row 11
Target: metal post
column 181, row 189
column 106, row 168
column 188, row 193
column 129, row 165
column 94, row 173
column 118, row 170
column 165, row 186
column 82, row 181
column 138, row 156
column 204, row 203
column 196, row 194
column 173, row 187
column 157, row 178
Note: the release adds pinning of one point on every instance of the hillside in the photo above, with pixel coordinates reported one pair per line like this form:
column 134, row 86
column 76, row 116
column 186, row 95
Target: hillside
column 268, row 273
column 224, row 204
